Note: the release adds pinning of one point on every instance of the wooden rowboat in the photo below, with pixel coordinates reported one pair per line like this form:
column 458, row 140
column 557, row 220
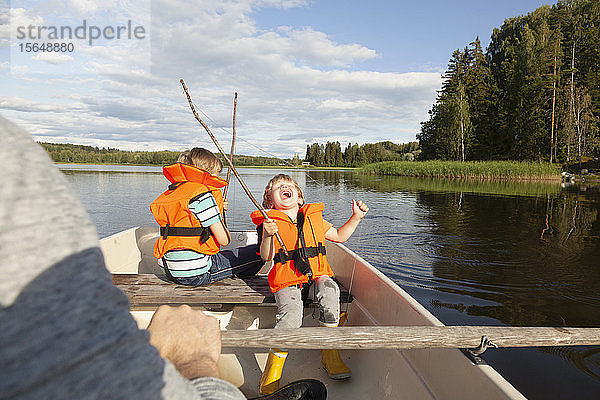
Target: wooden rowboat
column 423, row 373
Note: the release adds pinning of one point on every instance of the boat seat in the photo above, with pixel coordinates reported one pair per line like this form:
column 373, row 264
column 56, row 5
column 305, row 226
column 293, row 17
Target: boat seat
column 150, row 291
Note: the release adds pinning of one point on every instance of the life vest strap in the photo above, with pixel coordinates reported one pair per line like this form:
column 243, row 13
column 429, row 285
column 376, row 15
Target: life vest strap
column 301, row 253
column 202, row 232
column 175, row 185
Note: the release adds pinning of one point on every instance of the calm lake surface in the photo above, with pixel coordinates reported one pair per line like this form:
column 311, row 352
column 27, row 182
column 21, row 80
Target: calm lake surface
column 472, row 253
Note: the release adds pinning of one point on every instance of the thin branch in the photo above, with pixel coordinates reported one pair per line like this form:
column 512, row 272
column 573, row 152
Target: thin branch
column 230, row 156
column 237, row 175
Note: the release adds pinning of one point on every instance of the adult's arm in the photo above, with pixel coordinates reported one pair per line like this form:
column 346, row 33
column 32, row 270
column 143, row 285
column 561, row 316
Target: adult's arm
column 66, row 330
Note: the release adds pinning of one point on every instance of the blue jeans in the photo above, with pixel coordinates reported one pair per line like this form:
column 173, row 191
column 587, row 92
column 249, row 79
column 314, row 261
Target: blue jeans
column 242, row 261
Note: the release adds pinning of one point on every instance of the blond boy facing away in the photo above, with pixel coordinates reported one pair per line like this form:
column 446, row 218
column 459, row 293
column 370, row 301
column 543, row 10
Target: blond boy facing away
column 192, row 232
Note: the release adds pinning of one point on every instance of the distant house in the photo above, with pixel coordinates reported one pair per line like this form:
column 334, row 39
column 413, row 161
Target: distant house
column 305, row 163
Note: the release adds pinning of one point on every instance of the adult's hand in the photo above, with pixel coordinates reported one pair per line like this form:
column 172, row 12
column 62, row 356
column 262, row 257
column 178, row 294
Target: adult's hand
column 188, row 338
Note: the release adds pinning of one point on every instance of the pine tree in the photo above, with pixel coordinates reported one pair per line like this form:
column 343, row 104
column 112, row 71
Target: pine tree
column 481, row 93
column 337, row 155
column 446, row 133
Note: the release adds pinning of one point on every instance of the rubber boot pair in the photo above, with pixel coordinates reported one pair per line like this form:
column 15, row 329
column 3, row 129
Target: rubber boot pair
column 269, row 381
column 332, row 362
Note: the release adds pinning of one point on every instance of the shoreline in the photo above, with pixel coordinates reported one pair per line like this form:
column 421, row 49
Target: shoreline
column 477, row 170
column 388, row 168
column 287, row 167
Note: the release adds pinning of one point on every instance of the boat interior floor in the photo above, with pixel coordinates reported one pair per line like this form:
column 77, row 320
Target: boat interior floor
column 243, row 366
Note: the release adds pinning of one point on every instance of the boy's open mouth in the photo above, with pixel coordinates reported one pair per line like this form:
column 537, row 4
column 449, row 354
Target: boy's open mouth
column 286, row 193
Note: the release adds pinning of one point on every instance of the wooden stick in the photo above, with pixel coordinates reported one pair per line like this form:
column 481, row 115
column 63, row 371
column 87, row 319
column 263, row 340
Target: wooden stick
column 409, row 337
column 237, row 175
column 230, row 155
column 232, row 146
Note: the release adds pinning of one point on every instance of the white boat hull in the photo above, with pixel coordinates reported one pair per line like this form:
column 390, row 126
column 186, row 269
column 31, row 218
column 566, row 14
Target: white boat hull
column 377, row 374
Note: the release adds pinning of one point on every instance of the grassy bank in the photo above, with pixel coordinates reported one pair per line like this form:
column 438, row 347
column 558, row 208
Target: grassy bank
column 502, row 187
column 466, row 170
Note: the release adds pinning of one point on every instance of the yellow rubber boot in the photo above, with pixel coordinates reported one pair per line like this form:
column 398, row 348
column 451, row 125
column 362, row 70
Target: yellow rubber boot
column 269, row 381
column 343, row 316
column 332, row 362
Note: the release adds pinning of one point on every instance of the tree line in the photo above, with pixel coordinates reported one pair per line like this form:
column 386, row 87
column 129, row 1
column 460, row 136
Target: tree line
column 533, row 95
column 331, row 154
column 73, row 153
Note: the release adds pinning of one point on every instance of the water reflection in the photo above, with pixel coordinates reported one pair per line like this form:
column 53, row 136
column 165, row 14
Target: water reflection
column 521, row 261
column 584, row 358
column 510, row 250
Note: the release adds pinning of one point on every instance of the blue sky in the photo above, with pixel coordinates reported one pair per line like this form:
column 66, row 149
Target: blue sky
column 306, row 70
column 407, row 35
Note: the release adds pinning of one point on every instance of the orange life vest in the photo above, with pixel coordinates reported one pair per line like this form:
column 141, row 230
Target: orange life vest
column 179, row 227
column 307, row 257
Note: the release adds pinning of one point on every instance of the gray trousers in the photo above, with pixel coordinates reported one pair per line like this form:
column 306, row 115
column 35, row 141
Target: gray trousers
column 290, row 309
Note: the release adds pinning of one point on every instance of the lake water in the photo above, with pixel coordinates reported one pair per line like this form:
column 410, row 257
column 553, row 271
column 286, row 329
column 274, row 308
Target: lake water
column 473, row 253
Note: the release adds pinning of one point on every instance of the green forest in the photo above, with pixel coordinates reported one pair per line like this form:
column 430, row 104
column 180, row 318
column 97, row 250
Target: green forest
column 318, row 155
column 73, row 153
column 534, row 95
column 331, row 154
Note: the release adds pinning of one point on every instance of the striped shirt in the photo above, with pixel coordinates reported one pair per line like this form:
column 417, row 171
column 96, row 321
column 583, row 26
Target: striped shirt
column 188, row 263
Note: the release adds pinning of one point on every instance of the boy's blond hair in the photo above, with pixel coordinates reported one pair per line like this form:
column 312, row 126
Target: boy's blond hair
column 202, row 158
column 268, row 202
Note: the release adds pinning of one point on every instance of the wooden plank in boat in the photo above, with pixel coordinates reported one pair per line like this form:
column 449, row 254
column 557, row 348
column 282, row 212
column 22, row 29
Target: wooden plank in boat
column 147, row 290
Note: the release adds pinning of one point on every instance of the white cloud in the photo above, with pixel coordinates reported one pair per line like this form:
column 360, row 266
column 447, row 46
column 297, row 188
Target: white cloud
column 29, row 105
column 316, row 48
column 295, row 84
column 11, row 19
column 25, row 17
column 334, row 104
column 83, row 6
column 283, row 3
column 52, row 58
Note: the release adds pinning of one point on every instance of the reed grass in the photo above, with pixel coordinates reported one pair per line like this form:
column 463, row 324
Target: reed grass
column 496, row 187
column 467, row 170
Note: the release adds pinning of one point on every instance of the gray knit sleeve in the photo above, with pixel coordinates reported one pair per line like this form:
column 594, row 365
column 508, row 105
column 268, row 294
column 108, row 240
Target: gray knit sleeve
column 66, row 331
column 217, row 389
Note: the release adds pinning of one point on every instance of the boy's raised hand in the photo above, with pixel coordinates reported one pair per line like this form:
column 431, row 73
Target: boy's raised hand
column 359, row 209
column 340, row 235
column 267, row 246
